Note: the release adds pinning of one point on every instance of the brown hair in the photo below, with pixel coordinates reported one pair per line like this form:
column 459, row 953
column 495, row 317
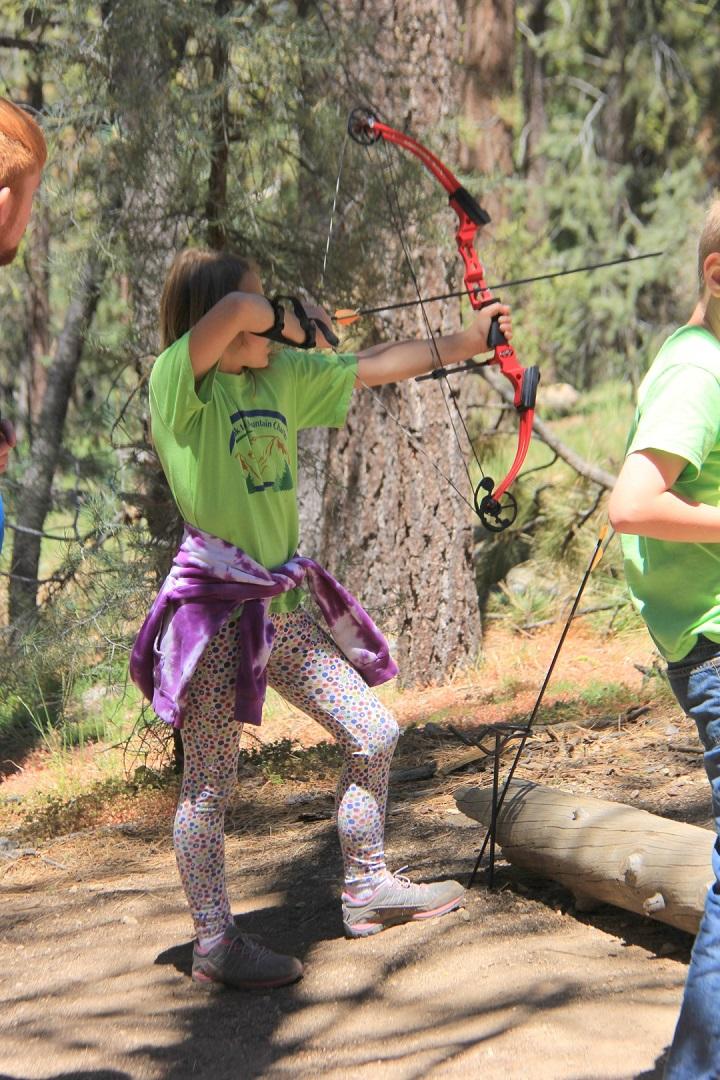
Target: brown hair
column 709, row 239
column 22, row 143
column 196, row 281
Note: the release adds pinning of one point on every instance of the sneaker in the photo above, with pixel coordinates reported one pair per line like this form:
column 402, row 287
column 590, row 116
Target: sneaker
column 398, row 900
column 240, row 960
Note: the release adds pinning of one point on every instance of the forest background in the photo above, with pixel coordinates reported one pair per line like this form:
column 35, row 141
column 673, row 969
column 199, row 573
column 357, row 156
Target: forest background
column 587, row 129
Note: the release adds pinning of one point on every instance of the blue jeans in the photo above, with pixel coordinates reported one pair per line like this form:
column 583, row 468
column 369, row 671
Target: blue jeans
column 695, row 1051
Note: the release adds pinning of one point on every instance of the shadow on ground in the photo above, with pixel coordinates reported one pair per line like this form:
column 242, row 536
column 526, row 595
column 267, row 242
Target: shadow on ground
column 94, row 968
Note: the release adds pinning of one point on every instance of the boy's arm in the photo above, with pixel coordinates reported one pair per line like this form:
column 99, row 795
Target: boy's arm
column 642, row 503
column 406, row 359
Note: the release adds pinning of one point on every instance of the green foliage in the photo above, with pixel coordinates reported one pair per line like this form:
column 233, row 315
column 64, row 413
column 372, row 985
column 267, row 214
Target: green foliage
column 59, row 813
column 628, row 96
column 74, row 806
column 597, row 701
column 66, row 677
column 142, row 99
column 560, row 516
column 604, row 695
column 287, row 760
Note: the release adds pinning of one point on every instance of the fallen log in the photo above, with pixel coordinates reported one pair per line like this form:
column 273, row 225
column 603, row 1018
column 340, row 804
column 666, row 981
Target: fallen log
column 602, row 851
column 418, row 772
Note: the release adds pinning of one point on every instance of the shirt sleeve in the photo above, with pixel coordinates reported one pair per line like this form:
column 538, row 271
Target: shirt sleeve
column 680, row 415
column 174, row 395
column 324, row 384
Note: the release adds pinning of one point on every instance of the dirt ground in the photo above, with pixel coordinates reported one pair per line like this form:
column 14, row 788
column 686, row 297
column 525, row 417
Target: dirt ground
column 95, row 948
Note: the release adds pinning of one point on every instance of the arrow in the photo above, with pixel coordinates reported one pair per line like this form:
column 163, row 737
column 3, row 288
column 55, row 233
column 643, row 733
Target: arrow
column 348, row 316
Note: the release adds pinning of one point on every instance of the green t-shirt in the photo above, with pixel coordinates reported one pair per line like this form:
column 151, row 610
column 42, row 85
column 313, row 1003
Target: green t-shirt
column 674, row 585
column 228, row 444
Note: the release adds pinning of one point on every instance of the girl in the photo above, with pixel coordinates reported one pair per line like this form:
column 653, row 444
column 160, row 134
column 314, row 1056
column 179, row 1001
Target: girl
column 225, row 415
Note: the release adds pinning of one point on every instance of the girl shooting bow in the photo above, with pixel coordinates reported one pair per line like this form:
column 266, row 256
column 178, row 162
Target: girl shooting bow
column 226, row 406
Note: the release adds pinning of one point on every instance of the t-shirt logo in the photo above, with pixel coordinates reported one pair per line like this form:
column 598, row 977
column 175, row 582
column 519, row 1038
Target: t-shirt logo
column 259, row 442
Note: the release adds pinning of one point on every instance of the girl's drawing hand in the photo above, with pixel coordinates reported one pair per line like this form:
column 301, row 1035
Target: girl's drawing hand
column 326, row 339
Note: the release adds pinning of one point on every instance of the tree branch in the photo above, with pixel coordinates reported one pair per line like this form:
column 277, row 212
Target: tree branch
column 21, row 43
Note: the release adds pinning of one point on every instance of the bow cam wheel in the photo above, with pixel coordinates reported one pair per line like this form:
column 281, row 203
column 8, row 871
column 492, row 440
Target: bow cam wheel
column 495, row 514
column 360, row 126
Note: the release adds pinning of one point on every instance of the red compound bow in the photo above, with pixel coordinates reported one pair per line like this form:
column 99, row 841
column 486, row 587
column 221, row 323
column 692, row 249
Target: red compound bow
column 495, row 505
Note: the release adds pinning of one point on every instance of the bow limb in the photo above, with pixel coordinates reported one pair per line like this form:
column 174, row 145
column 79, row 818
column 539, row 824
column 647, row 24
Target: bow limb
column 524, row 382
column 364, row 127
column 524, row 436
column 495, row 505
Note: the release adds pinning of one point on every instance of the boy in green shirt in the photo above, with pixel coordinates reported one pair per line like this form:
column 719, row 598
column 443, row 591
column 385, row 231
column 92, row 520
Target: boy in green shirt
column 666, row 505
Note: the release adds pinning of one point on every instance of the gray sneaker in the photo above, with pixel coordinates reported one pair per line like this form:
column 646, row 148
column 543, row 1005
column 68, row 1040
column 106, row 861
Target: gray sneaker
column 398, row 900
column 240, row 960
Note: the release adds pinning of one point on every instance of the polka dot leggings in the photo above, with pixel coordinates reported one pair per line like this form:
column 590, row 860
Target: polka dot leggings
column 307, row 668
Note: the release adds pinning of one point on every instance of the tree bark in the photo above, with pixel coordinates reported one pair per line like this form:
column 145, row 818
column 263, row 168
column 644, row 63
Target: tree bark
column 489, row 58
column 216, row 205
column 153, row 229
column 38, row 292
column 602, row 850
column 35, row 498
column 535, row 117
column 396, row 532
column 533, row 94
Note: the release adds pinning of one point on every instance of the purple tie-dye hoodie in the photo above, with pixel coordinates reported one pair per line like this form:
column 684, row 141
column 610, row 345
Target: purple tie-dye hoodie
column 208, row 581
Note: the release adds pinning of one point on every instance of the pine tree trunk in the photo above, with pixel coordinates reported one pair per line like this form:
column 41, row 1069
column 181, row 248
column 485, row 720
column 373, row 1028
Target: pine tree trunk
column 392, row 528
column 38, row 292
column 35, row 498
column 489, row 59
column 533, row 94
column 147, row 163
column 216, row 205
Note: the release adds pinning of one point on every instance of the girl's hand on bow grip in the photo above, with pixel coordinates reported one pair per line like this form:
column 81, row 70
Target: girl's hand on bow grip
column 480, row 326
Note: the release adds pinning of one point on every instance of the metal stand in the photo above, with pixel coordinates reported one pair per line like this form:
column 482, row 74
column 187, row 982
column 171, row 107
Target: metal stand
column 522, row 731
column 503, row 734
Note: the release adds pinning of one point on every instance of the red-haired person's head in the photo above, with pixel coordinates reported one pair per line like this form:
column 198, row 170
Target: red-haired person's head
column 22, row 156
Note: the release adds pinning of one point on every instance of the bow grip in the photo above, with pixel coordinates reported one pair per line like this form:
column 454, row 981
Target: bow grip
column 528, row 387
column 495, row 334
